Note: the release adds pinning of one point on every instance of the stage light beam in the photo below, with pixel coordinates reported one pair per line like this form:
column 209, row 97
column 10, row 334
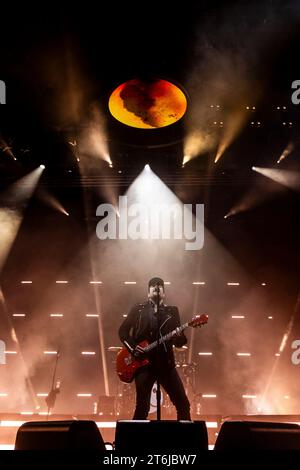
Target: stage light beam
column 289, row 179
column 234, row 123
column 14, row 201
column 289, row 148
column 197, row 142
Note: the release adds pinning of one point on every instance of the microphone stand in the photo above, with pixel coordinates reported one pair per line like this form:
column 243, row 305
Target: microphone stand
column 158, row 391
column 51, row 398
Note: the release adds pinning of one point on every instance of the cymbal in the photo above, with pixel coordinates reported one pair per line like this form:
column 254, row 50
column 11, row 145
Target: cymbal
column 114, row 348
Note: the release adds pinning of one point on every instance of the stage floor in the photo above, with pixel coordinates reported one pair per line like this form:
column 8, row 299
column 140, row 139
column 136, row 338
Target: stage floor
column 10, row 423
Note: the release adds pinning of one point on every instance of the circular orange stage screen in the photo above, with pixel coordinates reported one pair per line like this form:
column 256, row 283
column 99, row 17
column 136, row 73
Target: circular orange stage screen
column 148, row 104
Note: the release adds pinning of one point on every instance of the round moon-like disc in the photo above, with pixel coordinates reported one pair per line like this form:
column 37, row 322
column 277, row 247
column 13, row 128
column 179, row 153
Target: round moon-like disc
column 147, row 104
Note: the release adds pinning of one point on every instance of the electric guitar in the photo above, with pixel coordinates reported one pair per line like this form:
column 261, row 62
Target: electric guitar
column 127, row 364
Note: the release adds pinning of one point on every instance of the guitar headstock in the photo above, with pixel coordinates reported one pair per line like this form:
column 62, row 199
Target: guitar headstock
column 198, row 320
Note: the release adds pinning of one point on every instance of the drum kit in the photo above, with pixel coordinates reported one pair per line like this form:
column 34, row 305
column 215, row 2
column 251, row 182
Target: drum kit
column 125, row 392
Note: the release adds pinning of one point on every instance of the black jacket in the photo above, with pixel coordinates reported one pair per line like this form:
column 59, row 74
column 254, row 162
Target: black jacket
column 141, row 325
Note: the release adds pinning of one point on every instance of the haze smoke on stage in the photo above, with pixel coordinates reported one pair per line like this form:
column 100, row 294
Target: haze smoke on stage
column 246, row 375
column 10, row 221
column 260, row 193
column 226, row 77
column 14, row 201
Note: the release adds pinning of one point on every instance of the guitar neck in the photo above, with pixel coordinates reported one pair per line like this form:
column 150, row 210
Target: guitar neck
column 166, row 337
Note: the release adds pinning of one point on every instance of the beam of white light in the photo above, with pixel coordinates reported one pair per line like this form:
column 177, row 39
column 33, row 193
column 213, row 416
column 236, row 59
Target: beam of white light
column 162, row 211
column 197, row 142
column 94, row 142
column 233, row 126
column 10, row 221
column 49, row 200
column 14, row 201
column 290, row 179
column 261, row 192
column 283, row 342
column 186, row 159
column 282, row 346
column 19, row 351
column 289, row 148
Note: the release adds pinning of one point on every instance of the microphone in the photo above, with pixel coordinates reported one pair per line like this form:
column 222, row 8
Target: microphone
column 157, row 290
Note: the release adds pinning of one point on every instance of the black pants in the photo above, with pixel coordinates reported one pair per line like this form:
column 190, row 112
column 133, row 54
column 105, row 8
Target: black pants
column 171, row 382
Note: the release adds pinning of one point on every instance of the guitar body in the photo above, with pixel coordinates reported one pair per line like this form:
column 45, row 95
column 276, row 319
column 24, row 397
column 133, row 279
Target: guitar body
column 127, row 365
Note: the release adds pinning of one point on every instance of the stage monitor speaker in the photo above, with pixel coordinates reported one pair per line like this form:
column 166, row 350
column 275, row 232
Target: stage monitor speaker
column 258, row 435
column 57, row 435
column 160, row 436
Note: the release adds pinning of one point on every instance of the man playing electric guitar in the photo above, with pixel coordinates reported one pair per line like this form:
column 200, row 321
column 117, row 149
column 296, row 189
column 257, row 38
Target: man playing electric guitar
column 141, row 325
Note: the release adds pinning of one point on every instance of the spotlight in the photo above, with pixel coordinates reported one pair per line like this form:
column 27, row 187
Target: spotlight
column 42, row 167
column 147, row 167
column 186, row 158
